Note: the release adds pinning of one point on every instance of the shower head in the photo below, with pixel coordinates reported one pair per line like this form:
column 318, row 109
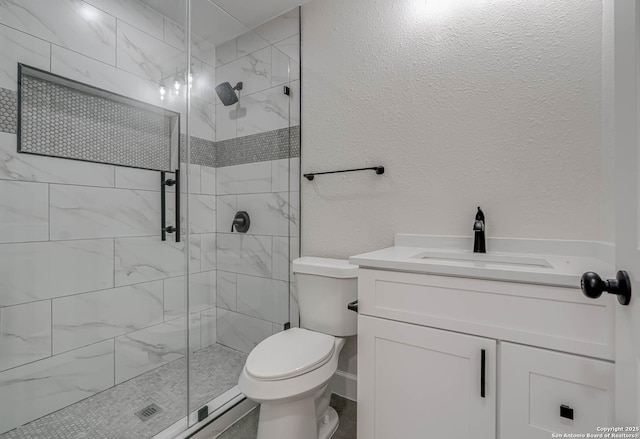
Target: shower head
column 227, row 94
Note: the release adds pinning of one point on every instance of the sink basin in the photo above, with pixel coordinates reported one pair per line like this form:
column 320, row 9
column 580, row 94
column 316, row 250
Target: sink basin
column 483, row 259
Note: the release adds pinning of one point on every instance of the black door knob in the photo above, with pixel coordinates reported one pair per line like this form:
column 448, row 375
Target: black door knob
column 593, row 286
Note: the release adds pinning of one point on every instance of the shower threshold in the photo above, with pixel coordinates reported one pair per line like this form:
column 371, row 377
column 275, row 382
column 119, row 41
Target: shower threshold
column 111, row 414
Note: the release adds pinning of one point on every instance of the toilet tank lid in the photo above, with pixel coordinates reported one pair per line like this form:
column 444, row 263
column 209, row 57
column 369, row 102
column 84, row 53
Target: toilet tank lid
column 339, row 268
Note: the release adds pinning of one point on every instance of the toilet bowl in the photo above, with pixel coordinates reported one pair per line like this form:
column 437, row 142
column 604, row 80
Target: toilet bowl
column 288, row 373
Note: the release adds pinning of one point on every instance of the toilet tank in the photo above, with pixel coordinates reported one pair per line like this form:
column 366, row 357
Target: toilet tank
column 325, row 288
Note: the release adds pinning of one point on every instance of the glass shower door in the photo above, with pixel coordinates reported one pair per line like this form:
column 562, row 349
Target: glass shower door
column 93, row 303
column 243, row 90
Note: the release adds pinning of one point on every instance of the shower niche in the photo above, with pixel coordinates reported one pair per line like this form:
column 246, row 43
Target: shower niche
column 60, row 117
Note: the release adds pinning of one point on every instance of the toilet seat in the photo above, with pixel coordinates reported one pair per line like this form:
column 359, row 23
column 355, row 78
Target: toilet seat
column 289, row 354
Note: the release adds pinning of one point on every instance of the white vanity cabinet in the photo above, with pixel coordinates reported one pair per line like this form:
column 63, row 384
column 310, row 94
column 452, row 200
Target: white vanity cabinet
column 548, row 355
column 416, row 382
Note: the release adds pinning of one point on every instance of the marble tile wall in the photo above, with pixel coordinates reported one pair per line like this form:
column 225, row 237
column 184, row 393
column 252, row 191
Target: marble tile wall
column 89, row 295
column 255, row 295
column 265, row 60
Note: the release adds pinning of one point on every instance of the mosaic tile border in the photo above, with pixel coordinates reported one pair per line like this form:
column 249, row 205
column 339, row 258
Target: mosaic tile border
column 271, row 145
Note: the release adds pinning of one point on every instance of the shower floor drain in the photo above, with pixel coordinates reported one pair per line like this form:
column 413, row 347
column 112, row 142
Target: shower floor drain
column 148, row 412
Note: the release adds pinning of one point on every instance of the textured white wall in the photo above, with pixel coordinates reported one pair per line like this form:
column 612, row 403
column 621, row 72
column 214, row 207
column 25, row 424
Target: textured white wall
column 494, row 103
column 491, row 103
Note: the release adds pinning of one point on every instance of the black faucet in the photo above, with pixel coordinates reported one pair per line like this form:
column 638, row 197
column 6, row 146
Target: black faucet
column 479, row 244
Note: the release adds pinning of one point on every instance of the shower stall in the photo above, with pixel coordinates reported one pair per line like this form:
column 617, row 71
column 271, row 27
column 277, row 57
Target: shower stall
column 133, row 135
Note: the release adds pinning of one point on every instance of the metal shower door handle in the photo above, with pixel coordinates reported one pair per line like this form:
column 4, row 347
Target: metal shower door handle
column 164, row 182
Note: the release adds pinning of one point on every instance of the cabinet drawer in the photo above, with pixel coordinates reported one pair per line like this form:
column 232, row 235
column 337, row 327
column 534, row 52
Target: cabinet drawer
column 541, row 390
column 550, row 317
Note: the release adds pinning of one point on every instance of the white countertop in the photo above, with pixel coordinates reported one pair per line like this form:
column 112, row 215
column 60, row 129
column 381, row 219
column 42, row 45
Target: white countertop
column 538, row 261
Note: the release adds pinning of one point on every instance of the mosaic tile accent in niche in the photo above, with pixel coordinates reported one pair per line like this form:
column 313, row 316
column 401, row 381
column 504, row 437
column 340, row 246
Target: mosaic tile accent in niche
column 8, row 110
column 62, row 122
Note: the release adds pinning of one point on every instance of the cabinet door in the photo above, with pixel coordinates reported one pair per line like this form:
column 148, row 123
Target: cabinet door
column 541, row 391
column 421, row 383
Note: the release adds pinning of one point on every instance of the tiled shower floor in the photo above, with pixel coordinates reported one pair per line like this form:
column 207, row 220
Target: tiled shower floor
column 110, row 414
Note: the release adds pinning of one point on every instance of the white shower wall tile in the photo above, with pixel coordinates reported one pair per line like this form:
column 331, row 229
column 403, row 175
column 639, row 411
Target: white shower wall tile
column 204, row 83
column 248, row 43
column 294, row 174
column 294, row 308
column 226, row 122
column 28, row 167
column 241, row 332
column 226, row 208
column 174, row 34
column 208, row 327
column 266, row 299
column 294, row 117
column 133, row 12
column 280, row 68
column 50, row 21
column 203, row 50
column 203, row 119
column 18, row 47
column 202, row 291
column 39, row 388
column 142, row 179
column 89, row 71
column 208, row 180
column 195, row 252
column 290, row 47
column 143, row 55
column 44, row 270
column 253, row 70
column 281, row 27
column 25, row 333
column 226, row 52
column 145, row 259
column 84, row 319
column 245, row 254
column 294, row 214
column 195, row 172
column 88, row 212
column 174, row 298
column 280, row 174
column 202, row 294
column 281, row 263
column 227, row 290
column 141, row 351
column 202, row 213
column 24, row 211
column 208, row 251
column 195, row 332
column 269, row 212
column 265, row 111
column 244, row 179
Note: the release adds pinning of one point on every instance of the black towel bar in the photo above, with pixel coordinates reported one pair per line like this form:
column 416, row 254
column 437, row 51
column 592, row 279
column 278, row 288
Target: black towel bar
column 379, row 170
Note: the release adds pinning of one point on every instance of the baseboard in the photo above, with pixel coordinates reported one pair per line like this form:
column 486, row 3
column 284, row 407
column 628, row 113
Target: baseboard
column 345, row 384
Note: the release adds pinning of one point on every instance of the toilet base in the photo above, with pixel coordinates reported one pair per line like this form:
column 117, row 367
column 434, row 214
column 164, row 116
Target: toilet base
column 296, row 420
column 329, row 424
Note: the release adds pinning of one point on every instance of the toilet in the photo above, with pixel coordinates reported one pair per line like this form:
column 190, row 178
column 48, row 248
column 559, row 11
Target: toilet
column 288, row 373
